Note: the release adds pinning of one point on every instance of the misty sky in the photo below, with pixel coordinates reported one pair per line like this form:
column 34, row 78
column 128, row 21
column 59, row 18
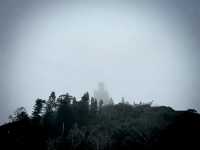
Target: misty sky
column 142, row 50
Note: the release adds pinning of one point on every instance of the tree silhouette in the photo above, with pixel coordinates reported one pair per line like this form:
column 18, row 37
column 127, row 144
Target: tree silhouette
column 93, row 107
column 19, row 114
column 51, row 103
column 64, row 113
column 68, row 123
column 37, row 110
column 83, row 109
column 100, row 105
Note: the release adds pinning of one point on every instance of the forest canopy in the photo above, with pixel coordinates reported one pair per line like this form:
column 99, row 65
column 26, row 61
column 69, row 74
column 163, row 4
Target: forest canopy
column 64, row 122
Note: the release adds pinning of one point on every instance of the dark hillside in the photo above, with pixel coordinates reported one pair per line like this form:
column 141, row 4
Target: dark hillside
column 65, row 123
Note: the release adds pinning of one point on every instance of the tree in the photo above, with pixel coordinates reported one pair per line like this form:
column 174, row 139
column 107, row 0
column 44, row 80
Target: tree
column 37, row 110
column 49, row 118
column 51, row 103
column 19, row 115
column 83, row 109
column 75, row 106
column 93, row 108
column 64, row 113
column 76, row 137
column 99, row 138
column 85, row 102
column 192, row 110
column 74, row 102
column 100, row 104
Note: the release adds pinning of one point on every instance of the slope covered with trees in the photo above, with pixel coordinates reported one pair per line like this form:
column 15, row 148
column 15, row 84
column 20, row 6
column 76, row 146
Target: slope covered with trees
column 63, row 122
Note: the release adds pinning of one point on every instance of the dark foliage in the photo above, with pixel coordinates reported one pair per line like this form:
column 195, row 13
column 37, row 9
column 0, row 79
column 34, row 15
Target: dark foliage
column 37, row 110
column 66, row 123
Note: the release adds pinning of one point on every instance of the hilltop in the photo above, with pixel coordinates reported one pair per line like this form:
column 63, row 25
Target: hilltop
column 66, row 123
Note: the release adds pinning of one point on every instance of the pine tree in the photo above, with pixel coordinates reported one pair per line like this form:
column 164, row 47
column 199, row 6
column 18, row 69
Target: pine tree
column 19, row 115
column 83, row 109
column 51, row 103
column 64, row 113
column 37, row 110
column 93, row 109
column 100, row 105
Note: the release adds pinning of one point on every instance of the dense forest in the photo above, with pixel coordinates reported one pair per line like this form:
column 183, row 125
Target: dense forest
column 65, row 123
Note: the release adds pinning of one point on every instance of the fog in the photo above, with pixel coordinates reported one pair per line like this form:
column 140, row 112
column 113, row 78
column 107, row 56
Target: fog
column 141, row 50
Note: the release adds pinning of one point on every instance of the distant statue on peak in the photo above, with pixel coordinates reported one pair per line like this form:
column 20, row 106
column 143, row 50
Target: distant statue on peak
column 101, row 93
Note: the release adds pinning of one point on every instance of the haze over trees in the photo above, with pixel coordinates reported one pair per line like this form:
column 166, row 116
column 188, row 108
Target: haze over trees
column 101, row 93
column 64, row 122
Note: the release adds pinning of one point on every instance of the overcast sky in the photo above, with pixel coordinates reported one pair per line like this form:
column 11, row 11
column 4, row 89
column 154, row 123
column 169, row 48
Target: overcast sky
column 142, row 51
